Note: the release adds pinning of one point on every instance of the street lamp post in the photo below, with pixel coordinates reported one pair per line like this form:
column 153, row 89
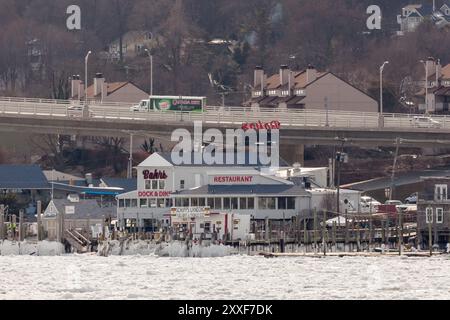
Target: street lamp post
column 151, row 71
column 381, row 93
column 86, row 76
column 426, row 86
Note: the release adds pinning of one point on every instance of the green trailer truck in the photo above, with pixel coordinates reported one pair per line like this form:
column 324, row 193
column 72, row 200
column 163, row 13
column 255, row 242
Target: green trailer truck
column 171, row 103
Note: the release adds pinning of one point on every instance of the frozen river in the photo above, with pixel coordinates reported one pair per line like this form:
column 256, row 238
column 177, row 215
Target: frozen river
column 232, row 277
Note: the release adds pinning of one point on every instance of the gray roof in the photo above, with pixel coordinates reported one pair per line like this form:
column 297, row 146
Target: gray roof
column 85, row 189
column 259, row 189
column 126, row 184
column 22, row 177
column 167, row 156
column 400, row 179
column 85, row 209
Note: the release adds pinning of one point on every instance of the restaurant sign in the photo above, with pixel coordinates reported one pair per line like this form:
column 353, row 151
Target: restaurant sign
column 232, row 179
column 154, row 194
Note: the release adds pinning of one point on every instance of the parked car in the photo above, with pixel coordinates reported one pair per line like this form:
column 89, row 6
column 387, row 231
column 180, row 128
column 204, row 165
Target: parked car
column 412, row 199
column 75, row 111
column 369, row 204
column 425, row 122
column 394, row 202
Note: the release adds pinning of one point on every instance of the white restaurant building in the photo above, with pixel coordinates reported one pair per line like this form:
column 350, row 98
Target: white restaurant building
column 229, row 191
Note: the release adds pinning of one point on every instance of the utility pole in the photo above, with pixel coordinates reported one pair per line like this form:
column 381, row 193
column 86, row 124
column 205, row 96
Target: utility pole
column 381, row 123
column 397, row 143
column 339, row 159
column 86, row 76
column 130, row 159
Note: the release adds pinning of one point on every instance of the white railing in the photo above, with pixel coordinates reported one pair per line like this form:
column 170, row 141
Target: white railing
column 293, row 118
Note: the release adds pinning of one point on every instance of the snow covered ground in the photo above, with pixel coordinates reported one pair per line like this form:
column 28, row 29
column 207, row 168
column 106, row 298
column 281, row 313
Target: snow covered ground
column 232, row 277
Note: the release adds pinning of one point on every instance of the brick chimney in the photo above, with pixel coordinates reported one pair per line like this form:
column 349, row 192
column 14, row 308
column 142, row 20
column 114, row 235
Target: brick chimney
column 431, row 66
column 259, row 79
column 311, row 74
column 81, row 90
column 75, row 86
column 291, row 80
column 438, row 72
column 98, row 83
column 284, row 74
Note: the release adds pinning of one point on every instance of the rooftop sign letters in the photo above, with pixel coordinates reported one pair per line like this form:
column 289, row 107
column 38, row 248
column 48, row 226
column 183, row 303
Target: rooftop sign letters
column 232, row 179
column 154, row 194
column 154, row 174
column 261, row 125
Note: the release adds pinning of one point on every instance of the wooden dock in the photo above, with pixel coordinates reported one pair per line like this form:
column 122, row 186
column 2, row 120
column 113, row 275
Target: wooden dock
column 346, row 254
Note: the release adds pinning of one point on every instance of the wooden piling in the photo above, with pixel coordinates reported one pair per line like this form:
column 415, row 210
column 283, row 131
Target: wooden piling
column 358, row 235
column 334, row 234
column 40, row 235
column 14, row 222
column 430, row 239
column 21, row 225
column 2, row 222
column 400, row 232
column 370, row 232
column 324, row 228
column 305, row 235
column 346, row 230
column 315, row 230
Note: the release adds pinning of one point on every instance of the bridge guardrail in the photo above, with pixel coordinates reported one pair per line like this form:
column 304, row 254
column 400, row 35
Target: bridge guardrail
column 213, row 114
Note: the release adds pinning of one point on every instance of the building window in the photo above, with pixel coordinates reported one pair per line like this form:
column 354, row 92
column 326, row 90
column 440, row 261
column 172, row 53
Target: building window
column 168, row 203
column 185, row 202
column 121, row 203
column 201, row 202
column 429, row 215
column 134, row 203
column 439, row 215
column 152, row 203
column 127, row 203
column 267, row 203
column 243, row 203
column 148, row 184
column 155, row 184
column 194, row 202
column 211, row 203
column 218, row 203
column 282, row 203
column 234, row 203
column 181, row 184
column 226, row 203
column 251, row 203
column 161, row 203
column 440, row 192
column 162, row 184
column 290, row 203
column 143, row 203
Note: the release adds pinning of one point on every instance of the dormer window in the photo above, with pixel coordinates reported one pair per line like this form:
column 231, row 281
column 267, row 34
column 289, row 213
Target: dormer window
column 257, row 93
column 272, row 92
column 285, row 93
column 299, row 92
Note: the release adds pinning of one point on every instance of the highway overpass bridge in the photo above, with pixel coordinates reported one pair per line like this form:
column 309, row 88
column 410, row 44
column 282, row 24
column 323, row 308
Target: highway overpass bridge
column 298, row 127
